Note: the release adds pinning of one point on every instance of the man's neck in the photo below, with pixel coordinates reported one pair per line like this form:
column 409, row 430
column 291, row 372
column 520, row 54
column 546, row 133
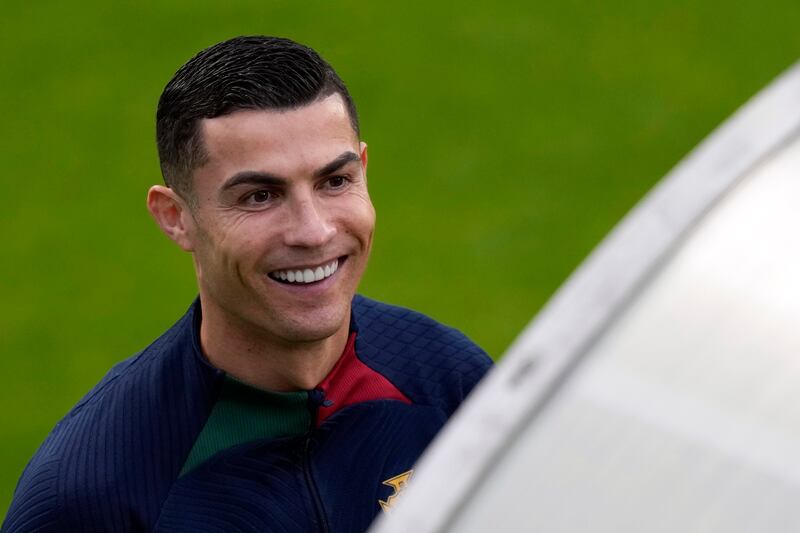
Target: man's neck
column 258, row 359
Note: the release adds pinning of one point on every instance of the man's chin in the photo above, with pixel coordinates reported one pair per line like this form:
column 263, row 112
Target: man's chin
column 309, row 328
column 306, row 335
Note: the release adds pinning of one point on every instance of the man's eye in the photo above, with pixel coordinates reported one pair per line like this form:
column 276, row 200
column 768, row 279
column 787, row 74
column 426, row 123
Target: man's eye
column 259, row 197
column 337, row 182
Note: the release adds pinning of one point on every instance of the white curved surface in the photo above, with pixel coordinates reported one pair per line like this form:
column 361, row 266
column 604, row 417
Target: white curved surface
column 685, row 415
column 488, row 439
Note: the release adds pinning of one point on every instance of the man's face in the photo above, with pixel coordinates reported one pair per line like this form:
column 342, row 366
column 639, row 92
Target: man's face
column 282, row 200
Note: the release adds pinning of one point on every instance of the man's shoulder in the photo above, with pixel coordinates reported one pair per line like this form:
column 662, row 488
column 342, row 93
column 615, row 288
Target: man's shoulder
column 114, row 454
column 428, row 361
column 389, row 324
column 148, row 373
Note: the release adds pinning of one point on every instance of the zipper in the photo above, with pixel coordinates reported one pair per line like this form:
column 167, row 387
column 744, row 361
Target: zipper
column 315, row 398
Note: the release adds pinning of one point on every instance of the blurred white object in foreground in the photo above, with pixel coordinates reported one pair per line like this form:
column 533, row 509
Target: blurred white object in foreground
column 659, row 390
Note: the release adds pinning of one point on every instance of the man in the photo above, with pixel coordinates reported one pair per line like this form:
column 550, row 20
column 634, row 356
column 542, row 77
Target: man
column 281, row 401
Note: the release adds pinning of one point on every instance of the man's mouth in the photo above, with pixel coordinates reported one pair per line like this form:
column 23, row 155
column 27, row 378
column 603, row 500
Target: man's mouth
column 309, row 274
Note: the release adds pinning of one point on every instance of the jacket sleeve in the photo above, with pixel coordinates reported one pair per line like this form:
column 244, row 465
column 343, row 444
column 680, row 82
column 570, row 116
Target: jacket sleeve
column 35, row 507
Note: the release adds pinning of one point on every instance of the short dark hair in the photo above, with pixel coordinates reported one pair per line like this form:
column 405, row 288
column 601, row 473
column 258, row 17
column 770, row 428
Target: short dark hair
column 250, row 72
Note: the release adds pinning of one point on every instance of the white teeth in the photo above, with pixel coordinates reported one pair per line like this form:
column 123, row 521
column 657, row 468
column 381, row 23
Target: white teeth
column 307, row 275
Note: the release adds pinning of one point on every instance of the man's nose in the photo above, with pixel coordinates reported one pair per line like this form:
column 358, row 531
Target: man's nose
column 309, row 224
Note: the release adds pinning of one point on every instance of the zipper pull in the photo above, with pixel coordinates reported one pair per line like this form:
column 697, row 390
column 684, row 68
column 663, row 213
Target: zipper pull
column 316, row 398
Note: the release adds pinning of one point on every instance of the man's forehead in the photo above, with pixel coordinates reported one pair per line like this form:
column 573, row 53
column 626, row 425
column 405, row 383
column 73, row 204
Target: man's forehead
column 325, row 117
column 285, row 142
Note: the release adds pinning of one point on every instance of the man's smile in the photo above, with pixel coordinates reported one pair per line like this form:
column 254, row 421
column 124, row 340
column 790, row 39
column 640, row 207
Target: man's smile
column 307, row 274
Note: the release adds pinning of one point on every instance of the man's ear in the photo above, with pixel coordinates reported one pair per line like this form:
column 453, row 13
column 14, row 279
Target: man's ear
column 363, row 146
column 172, row 215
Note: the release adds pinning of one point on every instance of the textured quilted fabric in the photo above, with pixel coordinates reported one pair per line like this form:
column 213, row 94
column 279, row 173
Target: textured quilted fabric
column 431, row 363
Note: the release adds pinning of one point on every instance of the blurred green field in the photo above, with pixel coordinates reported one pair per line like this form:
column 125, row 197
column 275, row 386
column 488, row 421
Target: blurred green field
column 505, row 140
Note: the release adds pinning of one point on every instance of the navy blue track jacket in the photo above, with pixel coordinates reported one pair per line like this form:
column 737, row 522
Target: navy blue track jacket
column 166, row 442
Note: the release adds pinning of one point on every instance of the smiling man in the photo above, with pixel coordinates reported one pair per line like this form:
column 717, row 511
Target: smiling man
column 281, row 401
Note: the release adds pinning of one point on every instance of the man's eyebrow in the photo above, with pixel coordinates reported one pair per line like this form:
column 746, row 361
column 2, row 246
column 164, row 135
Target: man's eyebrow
column 255, row 177
column 336, row 164
column 252, row 177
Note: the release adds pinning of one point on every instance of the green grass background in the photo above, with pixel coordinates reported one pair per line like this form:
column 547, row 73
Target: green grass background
column 505, row 140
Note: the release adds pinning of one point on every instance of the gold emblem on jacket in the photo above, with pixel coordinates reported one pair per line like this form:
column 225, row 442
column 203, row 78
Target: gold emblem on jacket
column 398, row 483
